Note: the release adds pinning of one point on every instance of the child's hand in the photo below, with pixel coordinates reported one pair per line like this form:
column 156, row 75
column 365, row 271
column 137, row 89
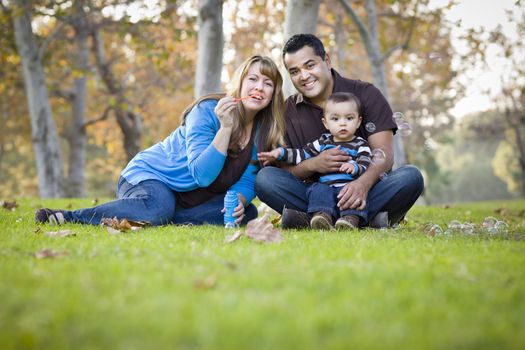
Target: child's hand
column 347, row 168
column 269, row 157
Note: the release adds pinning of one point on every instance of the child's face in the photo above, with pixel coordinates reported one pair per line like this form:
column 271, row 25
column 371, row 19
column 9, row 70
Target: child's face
column 342, row 119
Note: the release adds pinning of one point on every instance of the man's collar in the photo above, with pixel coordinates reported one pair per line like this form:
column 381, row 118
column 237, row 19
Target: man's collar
column 335, row 76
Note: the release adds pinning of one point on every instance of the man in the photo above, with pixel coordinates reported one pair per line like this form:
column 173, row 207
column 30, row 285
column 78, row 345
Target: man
column 285, row 189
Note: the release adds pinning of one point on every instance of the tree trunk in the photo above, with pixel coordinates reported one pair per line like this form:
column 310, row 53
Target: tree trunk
column 211, row 44
column 371, row 41
column 301, row 17
column 130, row 123
column 77, row 137
column 46, row 145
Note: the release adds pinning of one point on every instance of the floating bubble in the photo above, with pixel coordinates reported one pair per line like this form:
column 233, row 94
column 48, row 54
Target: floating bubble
column 405, row 129
column 455, row 225
column 430, row 144
column 435, row 57
column 370, row 127
column 501, row 227
column 399, row 118
column 489, row 224
column 433, row 230
column 468, row 228
column 378, row 156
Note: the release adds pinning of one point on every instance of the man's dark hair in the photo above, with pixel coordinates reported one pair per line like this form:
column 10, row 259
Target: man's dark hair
column 340, row 97
column 298, row 41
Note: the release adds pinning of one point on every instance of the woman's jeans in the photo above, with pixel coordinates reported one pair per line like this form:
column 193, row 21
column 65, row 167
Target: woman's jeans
column 156, row 203
column 395, row 193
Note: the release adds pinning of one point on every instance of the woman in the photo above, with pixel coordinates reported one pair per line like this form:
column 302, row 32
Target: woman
column 183, row 179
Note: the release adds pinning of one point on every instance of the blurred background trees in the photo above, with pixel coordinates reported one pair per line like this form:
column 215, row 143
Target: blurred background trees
column 118, row 73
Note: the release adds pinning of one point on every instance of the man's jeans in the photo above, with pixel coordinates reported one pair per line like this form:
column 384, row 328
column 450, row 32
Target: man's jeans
column 154, row 202
column 323, row 198
column 395, row 193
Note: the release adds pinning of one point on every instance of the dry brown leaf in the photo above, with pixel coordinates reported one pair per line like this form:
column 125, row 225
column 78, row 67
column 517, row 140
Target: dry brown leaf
column 501, row 211
column 233, row 237
column 116, row 226
column 205, row 283
column 61, row 233
column 9, row 205
column 262, row 230
column 276, row 220
column 49, row 253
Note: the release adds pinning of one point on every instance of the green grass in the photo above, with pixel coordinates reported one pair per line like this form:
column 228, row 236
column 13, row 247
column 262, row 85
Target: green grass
column 184, row 288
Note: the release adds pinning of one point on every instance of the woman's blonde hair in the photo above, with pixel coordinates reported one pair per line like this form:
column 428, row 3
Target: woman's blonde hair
column 270, row 119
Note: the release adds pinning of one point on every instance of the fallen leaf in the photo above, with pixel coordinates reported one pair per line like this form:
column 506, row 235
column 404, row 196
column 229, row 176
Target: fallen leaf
column 49, row 253
column 231, row 265
column 233, row 237
column 262, row 230
column 61, row 233
column 116, row 226
column 501, row 211
column 9, row 205
column 206, row 283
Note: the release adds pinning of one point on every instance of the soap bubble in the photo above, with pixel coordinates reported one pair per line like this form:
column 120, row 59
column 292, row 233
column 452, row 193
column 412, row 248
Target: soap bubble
column 501, row 227
column 489, row 225
column 378, row 156
column 433, row 230
column 455, row 226
column 430, row 144
column 405, row 129
column 370, row 127
column 399, row 118
column 435, row 57
column 468, row 228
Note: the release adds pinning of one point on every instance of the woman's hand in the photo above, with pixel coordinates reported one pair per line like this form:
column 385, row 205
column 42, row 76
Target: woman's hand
column 225, row 111
column 238, row 211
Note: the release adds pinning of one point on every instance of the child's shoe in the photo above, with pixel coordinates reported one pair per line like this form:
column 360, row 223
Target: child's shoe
column 347, row 222
column 321, row 221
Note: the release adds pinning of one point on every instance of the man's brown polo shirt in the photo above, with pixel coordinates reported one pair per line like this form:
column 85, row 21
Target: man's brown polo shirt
column 303, row 118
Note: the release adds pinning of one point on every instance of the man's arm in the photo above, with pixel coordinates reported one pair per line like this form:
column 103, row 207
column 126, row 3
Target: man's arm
column 355, row 193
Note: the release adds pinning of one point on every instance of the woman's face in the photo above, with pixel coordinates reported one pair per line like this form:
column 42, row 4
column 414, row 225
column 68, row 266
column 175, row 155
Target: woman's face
column 259, row 87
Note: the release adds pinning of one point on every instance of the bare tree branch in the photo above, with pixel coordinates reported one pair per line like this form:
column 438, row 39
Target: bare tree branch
column 56, row 31
column 405, row 44
column 104, row 116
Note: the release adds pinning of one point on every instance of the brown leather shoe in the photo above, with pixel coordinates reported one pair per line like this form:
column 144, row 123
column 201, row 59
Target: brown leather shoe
column 294, row 219
column 380, row 220
column 321, row 221
column 347, row 222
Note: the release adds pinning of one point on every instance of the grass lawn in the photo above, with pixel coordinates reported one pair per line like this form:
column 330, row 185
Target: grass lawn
column 185, row 288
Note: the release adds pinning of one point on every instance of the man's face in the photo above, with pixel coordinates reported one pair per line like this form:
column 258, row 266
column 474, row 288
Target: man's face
column 310, row 74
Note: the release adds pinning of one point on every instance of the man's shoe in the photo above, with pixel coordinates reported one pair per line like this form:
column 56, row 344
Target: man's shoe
column 380, row 220
column 347, row 222
column 294, row 219
column 321, row 221
column 49, row 216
